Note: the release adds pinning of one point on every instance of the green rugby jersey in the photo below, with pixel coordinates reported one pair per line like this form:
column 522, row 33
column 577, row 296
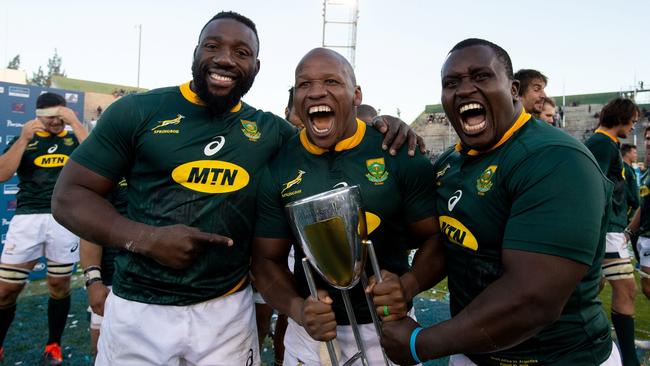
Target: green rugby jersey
column 184, row 166
column 118, row 199
column 396, row 191
column 538, row 190
column 631, row 190
column 39, row 169
column 605, row 148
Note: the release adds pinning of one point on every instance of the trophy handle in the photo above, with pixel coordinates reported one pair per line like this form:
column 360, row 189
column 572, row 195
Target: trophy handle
column 314, row 293
column 371, row 306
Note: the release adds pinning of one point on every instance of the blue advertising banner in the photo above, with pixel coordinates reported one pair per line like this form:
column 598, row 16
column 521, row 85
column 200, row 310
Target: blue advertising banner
column 18, row 106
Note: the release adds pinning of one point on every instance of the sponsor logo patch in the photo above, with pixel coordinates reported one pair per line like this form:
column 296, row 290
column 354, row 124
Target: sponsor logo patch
column 376, row 171
column 457, row 233
column 68, row 141
column 158, row 129
column 291, row 183
column 250, row 130
column 484, row 182
column 211, row 176
column 51, row 160
column 71, row 97
column 454, row 200
column 214, row 146
column 643, row 191
column 442, row 171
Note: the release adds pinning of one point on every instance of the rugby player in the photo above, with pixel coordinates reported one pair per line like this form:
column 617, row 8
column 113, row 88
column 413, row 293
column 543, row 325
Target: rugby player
column 531, row 90
column 617, row 120
column 37, row 156
column 336, row 149
column 192, row 155
column 522, row 207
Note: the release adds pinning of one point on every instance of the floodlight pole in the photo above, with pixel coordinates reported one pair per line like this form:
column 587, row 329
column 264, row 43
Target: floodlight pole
column 351, row 23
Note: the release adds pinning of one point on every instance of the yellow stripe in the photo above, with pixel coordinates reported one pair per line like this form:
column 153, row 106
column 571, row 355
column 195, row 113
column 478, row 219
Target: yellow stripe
column 346, row 144
column 614, row 138
column 191, row 97
column 519, row 123
column 237, row 286
column 47, row 134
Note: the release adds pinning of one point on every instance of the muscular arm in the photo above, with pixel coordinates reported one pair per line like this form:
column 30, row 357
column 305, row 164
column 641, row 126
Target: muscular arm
column 272, row 276
column 90, row 254
column 78, row 203
column 10, row 160
column 529, row 296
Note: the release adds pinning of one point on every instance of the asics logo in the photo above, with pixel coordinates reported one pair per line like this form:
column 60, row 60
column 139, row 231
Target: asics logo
column 53, row 148
column 341, row 185
column 214, row 146
column 454, row 200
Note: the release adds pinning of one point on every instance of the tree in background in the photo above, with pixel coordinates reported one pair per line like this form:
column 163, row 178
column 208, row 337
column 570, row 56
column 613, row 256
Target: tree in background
column 40, row 78
column 14, row 64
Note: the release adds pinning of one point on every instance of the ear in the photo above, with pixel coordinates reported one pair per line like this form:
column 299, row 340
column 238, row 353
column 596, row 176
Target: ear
column 358, row 96
column 257, row 66
column 514, row 89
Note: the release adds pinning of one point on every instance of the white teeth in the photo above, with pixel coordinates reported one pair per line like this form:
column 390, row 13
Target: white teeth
column 469, row 106
column 220, row 77
column 474, row 128
column 318, row 130
column 319, row 108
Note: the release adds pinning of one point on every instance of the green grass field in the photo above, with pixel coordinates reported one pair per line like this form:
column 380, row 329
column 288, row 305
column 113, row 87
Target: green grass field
column 28, row 333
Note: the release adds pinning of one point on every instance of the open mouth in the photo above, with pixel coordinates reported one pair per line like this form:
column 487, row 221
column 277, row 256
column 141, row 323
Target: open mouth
column 322, row 119
column 472, row 117
column 220, row 79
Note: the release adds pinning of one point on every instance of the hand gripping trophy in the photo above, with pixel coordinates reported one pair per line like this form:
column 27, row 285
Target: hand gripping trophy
column 332, row 231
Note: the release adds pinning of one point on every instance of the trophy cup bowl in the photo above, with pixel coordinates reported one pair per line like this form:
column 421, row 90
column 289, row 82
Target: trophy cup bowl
column 327, row 225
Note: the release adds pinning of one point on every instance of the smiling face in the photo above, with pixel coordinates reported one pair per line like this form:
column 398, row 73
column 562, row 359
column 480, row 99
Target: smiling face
column 533, row 97
column 225, row 64
column 53, row 124
column 478, row 96
column 325, row 97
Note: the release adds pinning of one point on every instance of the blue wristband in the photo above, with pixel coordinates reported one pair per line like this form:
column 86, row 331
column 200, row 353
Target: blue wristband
column 412, row 344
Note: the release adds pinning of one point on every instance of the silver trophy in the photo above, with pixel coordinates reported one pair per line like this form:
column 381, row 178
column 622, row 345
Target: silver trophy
column 332, row 231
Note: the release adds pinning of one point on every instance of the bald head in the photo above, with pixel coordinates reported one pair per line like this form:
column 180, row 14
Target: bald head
column 325, row 53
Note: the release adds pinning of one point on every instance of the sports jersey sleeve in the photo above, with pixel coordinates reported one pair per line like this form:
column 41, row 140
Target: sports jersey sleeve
column 632, row 189
column 605, row 155
column 559, row 198
column 108, row 149
column 418, row 187
column 270, row 220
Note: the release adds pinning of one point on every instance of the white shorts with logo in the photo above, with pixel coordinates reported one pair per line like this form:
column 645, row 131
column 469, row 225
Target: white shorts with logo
column 643, row 246
column 616, row 243
column 301, row 349
column 613, row 360
column 218, row 332
column 33, row 236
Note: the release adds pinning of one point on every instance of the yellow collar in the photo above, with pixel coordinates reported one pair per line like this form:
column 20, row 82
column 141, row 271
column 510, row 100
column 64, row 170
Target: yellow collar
column 520, row 122
column 47, row 134
column 191, row 97
column 346, row 144
column 614, row 138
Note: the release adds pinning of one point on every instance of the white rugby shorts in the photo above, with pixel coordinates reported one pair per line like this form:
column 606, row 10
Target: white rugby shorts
column 217, row 332
column 33, row 236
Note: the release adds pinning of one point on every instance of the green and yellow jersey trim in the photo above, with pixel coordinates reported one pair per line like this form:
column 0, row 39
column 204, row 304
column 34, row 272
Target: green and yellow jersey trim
column 345, row 144
column 47, row 134
column 614, row 138
column 519, row 123
column 193, row 98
